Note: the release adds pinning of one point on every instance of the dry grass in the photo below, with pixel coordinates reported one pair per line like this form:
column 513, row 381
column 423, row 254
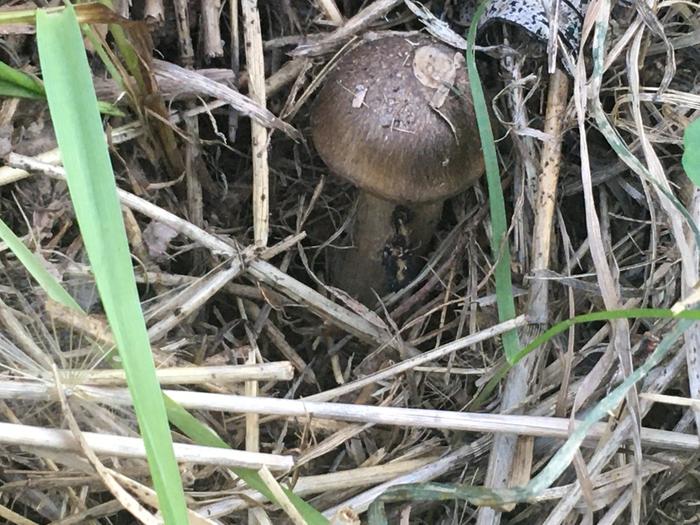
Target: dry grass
column 216, row 299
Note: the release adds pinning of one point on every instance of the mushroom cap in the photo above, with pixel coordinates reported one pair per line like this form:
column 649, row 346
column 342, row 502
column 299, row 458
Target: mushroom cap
column 389, row 119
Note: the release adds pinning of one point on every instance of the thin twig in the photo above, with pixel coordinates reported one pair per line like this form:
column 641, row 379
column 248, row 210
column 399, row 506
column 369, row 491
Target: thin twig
column 256, row 87
column 127, row 447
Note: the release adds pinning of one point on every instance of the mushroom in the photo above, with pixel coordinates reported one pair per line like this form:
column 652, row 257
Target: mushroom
column 395, row 117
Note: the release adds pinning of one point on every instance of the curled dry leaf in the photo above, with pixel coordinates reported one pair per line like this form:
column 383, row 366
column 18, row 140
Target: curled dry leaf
column 157, row 237
column 436, row 68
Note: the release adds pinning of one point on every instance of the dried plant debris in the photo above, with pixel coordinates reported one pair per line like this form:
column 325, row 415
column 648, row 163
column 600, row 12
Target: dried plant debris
column 340, row 395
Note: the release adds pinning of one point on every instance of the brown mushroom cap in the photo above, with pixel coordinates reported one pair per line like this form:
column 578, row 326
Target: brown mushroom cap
column 387, row 120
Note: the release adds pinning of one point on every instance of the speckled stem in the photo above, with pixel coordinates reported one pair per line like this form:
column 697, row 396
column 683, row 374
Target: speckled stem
column 364, row 267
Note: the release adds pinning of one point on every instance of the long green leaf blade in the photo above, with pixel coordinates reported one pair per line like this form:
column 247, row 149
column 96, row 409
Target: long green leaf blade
column 691, row 155
column 499, row 222
column 21, row 81
column 76, row 120
column 33, row 265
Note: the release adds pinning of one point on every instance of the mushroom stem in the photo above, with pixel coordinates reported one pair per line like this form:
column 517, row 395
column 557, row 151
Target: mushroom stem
column 388, row 240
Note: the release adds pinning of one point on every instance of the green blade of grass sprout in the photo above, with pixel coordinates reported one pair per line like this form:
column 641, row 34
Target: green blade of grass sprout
column 499, row 222
column 35, row 267
column 10, row 90
column 78, row 128
column 691, row 153
column 17, row 83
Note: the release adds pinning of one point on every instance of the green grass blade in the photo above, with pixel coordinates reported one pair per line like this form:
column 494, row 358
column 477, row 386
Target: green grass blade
column 16, row 83
column 35, row 268
column 203, row 435
column 499, row 222
column 691, row 153
column 10, row 90
column 109, row 109
column 76, row 120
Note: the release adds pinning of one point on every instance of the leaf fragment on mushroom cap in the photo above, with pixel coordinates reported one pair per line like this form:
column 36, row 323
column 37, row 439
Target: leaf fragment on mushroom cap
column 435, row 68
